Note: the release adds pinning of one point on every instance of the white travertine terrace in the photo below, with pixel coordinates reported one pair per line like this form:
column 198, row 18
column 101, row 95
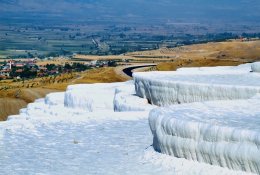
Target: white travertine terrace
column 223, row 133
column 194, row 85
column 255, row 67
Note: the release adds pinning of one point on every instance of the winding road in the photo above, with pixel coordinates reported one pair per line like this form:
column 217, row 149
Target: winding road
column 129, row 70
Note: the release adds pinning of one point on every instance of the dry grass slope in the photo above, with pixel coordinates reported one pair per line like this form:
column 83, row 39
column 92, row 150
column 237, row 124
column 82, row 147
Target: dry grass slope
column 10, row 106
column 101, row 75
column 211, row 54
column 172, row 66
column 12, row 103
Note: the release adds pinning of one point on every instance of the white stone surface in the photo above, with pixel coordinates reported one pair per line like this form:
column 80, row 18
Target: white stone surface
column 223, row 133
column 194, row 85
column 54, row 98
column 126, row 100
column 255, row 67
column 91, row 97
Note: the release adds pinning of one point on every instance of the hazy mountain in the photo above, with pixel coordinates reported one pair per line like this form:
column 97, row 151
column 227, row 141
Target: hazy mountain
column 132, row 11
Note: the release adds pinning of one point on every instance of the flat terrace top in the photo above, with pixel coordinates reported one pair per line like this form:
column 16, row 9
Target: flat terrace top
column 239, row 79
column 223, row 75
column 240, row 114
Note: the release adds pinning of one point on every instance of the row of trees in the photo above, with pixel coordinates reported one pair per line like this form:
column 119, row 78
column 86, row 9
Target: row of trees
column 27, row 72
column 75, row 67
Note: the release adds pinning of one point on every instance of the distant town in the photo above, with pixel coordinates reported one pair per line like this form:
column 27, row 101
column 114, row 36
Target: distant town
column 30, row 68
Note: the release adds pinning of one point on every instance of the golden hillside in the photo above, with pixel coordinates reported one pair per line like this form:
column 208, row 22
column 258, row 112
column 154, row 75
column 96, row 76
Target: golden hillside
column 210, row 54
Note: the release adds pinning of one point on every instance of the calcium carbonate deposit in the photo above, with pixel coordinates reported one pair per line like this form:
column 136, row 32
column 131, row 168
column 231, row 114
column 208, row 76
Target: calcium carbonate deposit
column 221, row 133
column 106, row 128
column 167, row 88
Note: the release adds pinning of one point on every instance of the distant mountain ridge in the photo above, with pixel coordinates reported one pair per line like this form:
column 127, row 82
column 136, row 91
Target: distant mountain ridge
column 134, row 10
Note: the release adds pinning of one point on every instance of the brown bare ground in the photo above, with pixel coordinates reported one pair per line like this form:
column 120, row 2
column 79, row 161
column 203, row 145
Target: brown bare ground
column 233, row 50
column 211, row 54
column 172, row 66
column 101, row 75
